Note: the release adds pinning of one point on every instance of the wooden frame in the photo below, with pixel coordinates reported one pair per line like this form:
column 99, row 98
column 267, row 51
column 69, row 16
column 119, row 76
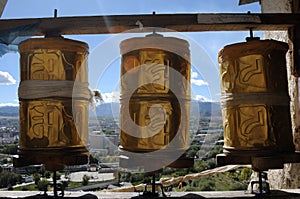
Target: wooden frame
column 175, row 22
column 77, row 25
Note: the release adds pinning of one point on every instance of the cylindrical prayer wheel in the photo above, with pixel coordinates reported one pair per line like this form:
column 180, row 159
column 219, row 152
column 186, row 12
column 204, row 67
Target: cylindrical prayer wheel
column 155, row 94
column 255, row 99
column 50, row 67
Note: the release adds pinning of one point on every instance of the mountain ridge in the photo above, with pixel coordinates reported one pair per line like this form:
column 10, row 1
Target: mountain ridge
column 198, row 108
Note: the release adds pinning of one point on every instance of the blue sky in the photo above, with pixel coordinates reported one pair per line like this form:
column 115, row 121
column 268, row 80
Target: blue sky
column 104, row 75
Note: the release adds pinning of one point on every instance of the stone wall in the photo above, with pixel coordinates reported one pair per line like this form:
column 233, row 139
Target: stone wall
column 289, row 177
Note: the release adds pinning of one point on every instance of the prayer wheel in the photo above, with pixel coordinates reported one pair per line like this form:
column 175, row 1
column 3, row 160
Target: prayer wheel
column 255, row 99
column 50, row 68
column 155, row 99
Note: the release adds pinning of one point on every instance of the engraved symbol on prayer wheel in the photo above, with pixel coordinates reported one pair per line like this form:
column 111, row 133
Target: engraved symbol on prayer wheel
column 255, row 99
column 155, row 101
column 48, row 109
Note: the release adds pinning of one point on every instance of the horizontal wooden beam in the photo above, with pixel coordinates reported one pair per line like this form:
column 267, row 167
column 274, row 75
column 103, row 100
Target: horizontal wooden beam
column 177, row 22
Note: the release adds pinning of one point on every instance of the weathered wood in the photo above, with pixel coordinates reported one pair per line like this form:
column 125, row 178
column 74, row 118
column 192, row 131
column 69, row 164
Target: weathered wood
column 175, row 22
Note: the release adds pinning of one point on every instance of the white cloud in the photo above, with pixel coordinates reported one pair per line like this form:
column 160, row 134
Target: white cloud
column 111, row 97
column 194, row 75
column 9, row 104
column 6, row 78
column 202, row 98
column 199, row 82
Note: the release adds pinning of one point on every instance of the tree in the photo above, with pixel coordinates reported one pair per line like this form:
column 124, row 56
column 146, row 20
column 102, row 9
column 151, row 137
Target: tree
column 47, row 174
column 10, row 149
column 42, row 185
column 10, row 187
column 9, row 178
column 4, row 161
column 93, row 160
column 42, row 171
column 85, row 180
column 36, row 178
column 201, row 165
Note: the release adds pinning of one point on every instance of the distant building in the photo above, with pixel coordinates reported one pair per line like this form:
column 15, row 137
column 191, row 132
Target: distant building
column 7, row 167
column 31, row 169
column 101, row 141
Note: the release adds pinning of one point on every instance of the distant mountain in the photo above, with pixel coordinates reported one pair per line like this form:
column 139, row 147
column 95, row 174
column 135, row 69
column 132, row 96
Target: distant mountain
column 202, row 109
column 205, row 109
column 11, row 111
column 107, row 110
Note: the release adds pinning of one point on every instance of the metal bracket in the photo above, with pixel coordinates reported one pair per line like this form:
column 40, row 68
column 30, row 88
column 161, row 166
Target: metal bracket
column 262, row 179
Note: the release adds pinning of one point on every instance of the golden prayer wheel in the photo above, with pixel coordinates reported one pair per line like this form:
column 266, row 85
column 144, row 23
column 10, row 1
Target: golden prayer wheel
column 155, row 99
column 255, row 99
column 50, row 67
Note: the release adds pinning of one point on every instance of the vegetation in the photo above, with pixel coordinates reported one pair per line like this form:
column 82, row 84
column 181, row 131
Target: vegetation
column 232, row 180
column 93, row 160
column 36, row 178
column 42, row 185
column 8, row 179
column 85, row 180
column 204, row 151
column 10, row 149
column 30, row 187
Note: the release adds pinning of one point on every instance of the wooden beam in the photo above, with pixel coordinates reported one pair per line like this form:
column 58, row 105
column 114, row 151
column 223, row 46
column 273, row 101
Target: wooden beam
column 2, row 6
column 176, row 22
